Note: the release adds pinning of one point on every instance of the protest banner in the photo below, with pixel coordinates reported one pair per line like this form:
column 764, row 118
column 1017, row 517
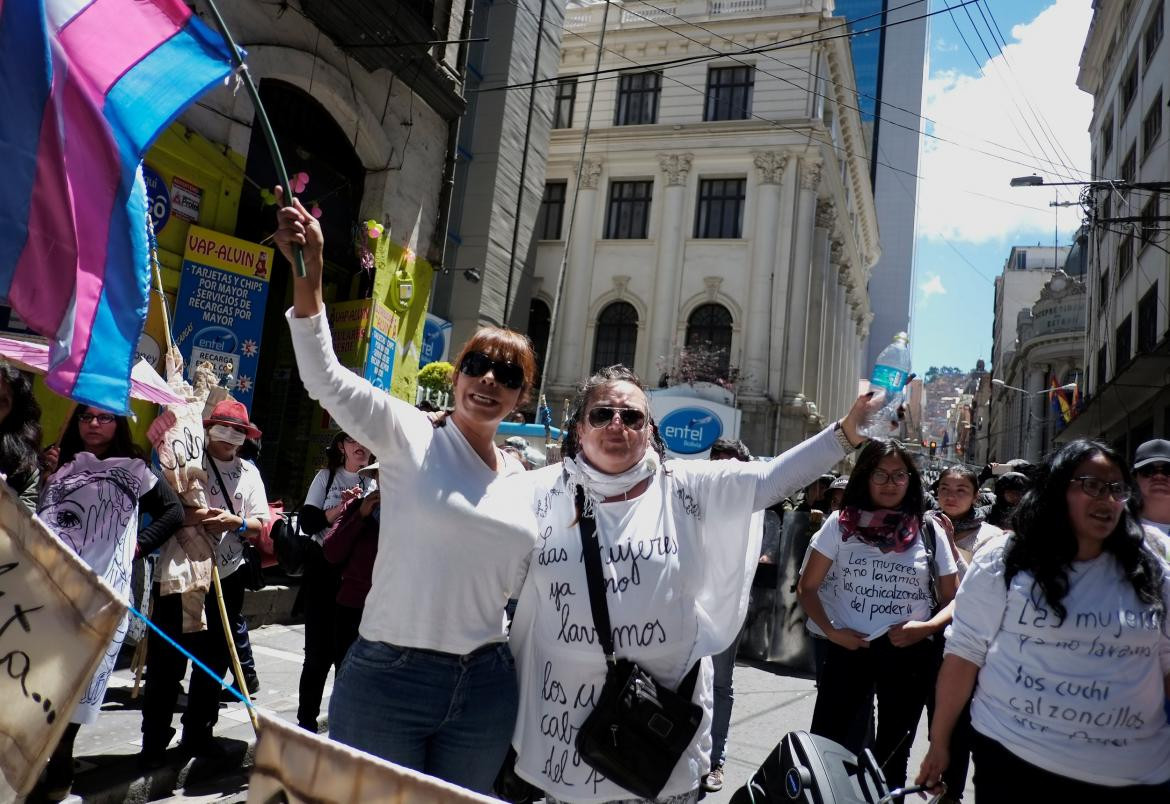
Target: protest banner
column 294, row 766
column 56, row 620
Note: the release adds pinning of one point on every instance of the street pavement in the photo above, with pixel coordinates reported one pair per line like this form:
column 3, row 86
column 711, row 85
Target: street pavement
column 769, row 702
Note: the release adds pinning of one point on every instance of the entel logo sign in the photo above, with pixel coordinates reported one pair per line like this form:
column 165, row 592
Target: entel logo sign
column 690, row 430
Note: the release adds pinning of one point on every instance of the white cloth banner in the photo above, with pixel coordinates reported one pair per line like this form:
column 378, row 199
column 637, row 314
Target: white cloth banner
column 298, row 767
column 56, row 619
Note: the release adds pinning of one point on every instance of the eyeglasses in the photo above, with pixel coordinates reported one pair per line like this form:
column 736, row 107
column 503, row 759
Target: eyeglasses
column 882, row 477
column 601, row 416
column 1151, row 469
column 100, row 418
column 1095, row 487
column 507, row 374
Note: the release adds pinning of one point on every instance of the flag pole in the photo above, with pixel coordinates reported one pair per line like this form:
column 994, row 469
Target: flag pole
column 237, row 671
column 262, row 121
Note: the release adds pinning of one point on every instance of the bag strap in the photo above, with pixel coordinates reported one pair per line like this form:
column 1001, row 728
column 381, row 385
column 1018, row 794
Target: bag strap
column 591, row 549
column 227, row 498
column 930, row 542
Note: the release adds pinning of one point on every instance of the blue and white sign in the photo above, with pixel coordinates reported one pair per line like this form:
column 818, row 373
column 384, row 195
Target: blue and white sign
column 436, row 340
column 690, row 430
column 380, row 359
column 158, row 197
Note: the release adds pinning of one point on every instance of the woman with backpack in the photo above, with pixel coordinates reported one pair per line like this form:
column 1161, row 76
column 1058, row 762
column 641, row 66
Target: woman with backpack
column 325, row 501
column 894, row 569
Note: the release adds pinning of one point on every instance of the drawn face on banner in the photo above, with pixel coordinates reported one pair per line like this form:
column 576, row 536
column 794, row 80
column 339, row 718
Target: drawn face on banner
column 88, row 507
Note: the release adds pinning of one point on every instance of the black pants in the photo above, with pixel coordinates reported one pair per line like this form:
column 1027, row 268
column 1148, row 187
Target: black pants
column 1001, row 776
column 165, row 666
column 900, row 677
column 319, row 586
column 243, row 646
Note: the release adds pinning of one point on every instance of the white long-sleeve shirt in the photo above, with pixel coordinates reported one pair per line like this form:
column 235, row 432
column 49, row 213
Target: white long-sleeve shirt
column 677, row 562
column 1081, row 697
column 449, row 552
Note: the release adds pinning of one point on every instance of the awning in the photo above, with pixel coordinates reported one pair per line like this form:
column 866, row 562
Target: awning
column 1122, row 400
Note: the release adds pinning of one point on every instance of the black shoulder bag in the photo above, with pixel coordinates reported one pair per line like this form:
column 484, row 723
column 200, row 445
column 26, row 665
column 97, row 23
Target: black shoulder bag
column 639, row 728
column 253, row 567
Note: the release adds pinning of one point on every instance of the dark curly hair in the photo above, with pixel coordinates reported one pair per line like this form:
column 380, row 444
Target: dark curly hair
column 1045, row 545
column 122, row 445
column 857, row 491
column 570, row 446
column 20, row 430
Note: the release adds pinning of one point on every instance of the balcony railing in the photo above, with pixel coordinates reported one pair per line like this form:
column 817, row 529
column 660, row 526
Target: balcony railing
column 636, row 14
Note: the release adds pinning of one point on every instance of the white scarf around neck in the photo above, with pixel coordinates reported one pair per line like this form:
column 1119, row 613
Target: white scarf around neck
column 598, row 486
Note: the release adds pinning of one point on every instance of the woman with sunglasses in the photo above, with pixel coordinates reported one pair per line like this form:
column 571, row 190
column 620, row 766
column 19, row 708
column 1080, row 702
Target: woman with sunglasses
column 677, row 556
column 895, row 574
column 1150, row 502
column 430, row 682
column 1060, row 631
column 99, row 488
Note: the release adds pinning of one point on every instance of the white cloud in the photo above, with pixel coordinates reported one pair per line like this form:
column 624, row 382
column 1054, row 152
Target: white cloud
column 932, row 287
column 970, row 109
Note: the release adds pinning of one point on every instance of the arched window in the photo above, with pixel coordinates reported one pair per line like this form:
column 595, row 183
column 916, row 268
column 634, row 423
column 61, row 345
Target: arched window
column 709, row 326
column 617, row 336
column 539, row 318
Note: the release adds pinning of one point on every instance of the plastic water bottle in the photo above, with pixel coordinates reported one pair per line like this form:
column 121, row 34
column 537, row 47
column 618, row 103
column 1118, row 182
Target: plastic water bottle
column 889, row 377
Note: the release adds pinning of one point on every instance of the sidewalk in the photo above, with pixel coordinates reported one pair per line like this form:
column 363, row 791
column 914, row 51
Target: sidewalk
column 106, row 751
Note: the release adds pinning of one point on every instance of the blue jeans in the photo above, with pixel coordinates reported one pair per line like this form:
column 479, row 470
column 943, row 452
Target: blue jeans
column 724, row 667
column 444, row 715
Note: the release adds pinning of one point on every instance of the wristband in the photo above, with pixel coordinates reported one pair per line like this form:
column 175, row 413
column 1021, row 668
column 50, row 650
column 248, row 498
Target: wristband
column 843, row 440
column 243, row 525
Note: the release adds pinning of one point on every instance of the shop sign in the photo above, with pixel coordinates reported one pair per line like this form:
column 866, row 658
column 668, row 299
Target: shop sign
column 436, row 340
column 185, row 199
column 690, row 430
column 380, row 353
column 219, row 313
column 158, row 198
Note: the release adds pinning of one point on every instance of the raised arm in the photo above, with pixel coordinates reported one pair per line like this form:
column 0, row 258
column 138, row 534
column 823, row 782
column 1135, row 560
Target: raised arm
column 368, row 414
column 801, row 465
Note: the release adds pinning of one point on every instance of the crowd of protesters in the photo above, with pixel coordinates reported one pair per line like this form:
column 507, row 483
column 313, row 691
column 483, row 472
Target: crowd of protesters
column 1023, row 609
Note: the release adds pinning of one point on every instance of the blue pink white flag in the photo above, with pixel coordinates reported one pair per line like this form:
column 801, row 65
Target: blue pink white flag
column 85, row 87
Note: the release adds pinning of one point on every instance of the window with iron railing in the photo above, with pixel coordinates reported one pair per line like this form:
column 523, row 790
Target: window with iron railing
column 1122, row 346
column 628, row 215
column 1148, row 320
column 565, row 99
column 637, row 101
column 729, row 93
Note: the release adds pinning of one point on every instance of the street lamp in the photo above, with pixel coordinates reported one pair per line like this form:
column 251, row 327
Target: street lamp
column 1027, row 181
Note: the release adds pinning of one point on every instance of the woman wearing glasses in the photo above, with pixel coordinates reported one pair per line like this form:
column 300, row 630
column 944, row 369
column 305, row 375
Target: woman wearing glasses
column 894, row 571
column 1060, row 631
column 99, row 488
column 677, row 555
column 430, row 682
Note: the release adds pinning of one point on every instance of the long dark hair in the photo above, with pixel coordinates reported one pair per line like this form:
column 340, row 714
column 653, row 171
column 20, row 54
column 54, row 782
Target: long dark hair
column 570, row 445
column 857, row 491
column 20, row 431
column 121, row 446
column 334, row 454
column 1045, row 543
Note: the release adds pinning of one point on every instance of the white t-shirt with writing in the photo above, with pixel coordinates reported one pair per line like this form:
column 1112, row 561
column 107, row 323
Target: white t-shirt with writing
column 877, row 590
column 248, row 499
column 1082, row 697
column 677, row 562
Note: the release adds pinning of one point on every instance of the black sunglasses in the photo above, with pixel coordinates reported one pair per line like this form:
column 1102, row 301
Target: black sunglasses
column 1151, row 469
column 507, row 374
column 600, row 417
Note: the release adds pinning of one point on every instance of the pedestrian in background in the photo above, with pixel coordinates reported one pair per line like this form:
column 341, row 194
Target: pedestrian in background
column 1060, row 633
column 1150, row 502
column 20, row 436
column 332, row 487
column 894, row 570
column 99, row 488
column 351, row 545
column 724, row 663
column 430, row 682
column 1009, row 490
column 957, row 494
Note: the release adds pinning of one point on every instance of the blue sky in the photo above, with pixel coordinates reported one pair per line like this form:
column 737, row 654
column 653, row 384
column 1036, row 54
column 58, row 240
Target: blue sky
column 968, row 216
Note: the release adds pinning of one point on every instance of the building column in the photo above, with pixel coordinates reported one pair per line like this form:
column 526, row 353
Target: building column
column 781, row 272
column 815, row 384
column 794, row 423
column 770, row 166
column 667, row 279
column 577, row 297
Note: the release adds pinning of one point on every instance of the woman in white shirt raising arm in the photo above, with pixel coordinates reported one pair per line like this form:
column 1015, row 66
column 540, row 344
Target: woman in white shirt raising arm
column 1060, row 630
column 430, row 683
